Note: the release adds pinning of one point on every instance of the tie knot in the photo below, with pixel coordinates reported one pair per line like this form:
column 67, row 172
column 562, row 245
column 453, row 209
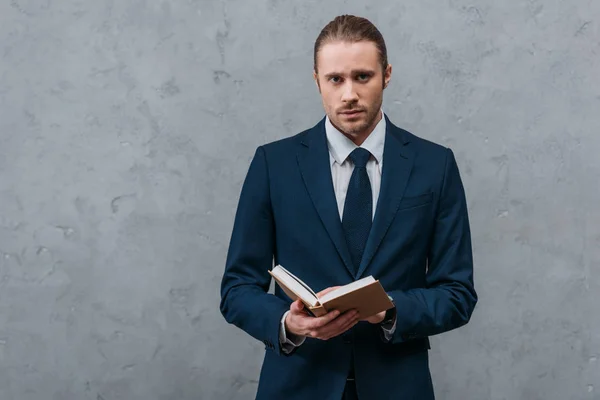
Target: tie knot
column 360, row 157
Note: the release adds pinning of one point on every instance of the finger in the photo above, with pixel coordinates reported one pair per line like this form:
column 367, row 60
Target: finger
column 297, row 307
column 341, row 329
column 348, row 325
column 325, row 291
column 338, row 324
column 374, row 318
column 318, row 322
column 345, row 327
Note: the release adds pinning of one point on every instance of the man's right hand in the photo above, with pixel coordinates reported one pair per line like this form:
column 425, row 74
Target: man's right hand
column 332, row 324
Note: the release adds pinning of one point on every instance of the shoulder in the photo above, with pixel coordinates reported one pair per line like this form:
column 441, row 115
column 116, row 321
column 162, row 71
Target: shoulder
column 286, row 143
column 288, row 146
column 429, row 157
column 419, row 145
column 425, row 143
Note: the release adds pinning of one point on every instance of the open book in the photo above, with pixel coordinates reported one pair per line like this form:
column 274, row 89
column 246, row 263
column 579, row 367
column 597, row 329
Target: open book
column 365, row 295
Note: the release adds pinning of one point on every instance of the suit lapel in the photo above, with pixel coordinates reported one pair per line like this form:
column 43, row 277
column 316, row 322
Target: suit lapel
column 398, row 160
column 313, row 161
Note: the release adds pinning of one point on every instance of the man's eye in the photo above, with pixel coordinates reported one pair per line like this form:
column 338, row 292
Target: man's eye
column 363, row 77
column 335, row 79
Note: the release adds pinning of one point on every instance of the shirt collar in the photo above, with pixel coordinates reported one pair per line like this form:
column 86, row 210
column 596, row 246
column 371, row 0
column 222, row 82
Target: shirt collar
column 340, row 146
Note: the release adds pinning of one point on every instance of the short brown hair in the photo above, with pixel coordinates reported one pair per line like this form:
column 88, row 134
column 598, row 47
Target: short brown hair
column 349, row 28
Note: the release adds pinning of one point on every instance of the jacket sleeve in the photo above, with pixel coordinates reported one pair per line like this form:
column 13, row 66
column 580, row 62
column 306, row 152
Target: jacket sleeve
column 449, row 298
column 245, row 302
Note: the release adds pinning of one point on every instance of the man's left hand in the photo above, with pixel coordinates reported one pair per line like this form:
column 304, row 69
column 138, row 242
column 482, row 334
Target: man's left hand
column 375, row 319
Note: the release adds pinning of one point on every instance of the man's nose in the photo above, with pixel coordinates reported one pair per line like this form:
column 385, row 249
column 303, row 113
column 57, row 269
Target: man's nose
column 349, row 93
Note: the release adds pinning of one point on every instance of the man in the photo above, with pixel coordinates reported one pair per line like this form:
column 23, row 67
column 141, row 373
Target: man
column 351, row 197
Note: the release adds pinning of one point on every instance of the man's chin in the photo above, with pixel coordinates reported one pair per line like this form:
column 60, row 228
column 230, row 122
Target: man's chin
column 355, row 129
column 349, row 128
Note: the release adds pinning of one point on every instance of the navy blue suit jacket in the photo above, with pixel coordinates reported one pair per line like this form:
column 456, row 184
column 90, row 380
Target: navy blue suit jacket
column 419, row 248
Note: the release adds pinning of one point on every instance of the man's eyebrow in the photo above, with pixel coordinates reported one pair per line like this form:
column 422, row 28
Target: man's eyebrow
column 353, row 72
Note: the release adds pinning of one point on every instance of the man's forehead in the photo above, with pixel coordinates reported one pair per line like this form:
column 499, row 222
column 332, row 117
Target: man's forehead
column 348, row 56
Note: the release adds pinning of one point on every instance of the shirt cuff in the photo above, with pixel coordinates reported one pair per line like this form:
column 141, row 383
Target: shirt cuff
column 388, row 333
column 290, row 341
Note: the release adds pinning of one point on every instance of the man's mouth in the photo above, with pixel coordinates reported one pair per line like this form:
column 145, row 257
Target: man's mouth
column 351, row 113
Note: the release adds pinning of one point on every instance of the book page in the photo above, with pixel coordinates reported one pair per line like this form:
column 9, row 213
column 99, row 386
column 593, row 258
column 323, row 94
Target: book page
column 298, row 280
column 346, row 289
column 294, row 284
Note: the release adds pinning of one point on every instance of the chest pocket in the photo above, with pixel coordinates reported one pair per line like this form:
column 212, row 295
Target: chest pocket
column 415, row 201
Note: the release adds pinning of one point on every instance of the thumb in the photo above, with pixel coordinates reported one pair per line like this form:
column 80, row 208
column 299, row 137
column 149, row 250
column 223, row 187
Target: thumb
column 297, row 306
column 327, row 290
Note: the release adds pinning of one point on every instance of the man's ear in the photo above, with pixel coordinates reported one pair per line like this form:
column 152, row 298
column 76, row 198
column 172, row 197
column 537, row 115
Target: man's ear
column 316, row 78
column 387, row 76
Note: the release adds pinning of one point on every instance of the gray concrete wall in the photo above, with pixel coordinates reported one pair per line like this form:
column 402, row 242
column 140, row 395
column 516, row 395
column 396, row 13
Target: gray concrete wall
column 126, row 129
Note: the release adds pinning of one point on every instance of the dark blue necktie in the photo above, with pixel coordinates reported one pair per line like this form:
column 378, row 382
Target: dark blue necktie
column 358, row 207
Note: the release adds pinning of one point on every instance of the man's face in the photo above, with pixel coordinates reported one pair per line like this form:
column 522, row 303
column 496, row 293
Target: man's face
column 351, row 82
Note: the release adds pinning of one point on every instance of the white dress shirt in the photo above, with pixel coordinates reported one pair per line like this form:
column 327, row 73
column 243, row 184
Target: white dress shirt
column 342, row 167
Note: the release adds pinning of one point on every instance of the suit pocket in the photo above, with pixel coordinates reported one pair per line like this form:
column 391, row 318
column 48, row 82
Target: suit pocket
column 415, row 201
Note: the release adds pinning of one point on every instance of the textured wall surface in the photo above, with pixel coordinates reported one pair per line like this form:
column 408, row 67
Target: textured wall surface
column 127, row 127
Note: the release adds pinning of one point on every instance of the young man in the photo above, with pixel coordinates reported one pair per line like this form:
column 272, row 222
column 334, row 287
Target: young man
column 351, row 197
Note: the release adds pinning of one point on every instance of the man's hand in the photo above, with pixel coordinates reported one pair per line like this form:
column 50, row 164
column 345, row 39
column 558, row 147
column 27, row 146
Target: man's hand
column 375, row 319
column 332, row 324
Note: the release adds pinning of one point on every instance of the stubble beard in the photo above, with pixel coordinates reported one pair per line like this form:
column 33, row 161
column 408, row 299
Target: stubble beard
column 358, row 128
